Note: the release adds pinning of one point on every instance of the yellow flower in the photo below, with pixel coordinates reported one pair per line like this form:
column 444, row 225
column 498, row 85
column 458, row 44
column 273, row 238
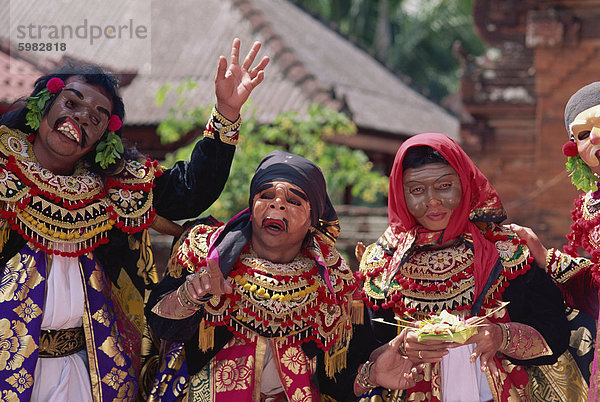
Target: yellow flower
column 21, row 380
column 15, row 344
column 28, row 310
column 115, row 378
column 294, row 360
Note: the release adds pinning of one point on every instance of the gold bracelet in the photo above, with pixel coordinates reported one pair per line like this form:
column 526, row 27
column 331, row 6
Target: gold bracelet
column 363, row 377
column 186, row 298
column 228, row 131
column 505, row 336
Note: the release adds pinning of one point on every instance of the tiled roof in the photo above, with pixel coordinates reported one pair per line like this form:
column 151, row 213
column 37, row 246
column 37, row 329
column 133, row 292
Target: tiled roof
column 310, row 63
column 16, row 78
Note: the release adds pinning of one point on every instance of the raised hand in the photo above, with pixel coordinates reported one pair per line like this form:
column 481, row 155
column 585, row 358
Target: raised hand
column 234, row 84
column 209, row 280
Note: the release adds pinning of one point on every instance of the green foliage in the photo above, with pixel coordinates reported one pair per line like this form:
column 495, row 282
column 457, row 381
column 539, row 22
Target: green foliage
column 109, row 150
column 302, row 135
column 35, row 107
column 582, row 176
column 414, row 36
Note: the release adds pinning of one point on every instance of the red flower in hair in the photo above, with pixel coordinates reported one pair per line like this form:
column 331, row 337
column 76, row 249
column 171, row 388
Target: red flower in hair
column 570, row 149
column 114, row 123
column 55, row 85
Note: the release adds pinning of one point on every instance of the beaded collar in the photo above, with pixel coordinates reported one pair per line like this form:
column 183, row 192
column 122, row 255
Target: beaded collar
column 426, row 281
column 585, row 230
column 288, row 302
column 70, row 215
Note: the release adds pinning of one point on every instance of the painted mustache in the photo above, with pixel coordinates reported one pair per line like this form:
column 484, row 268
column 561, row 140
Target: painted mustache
column 72, row 130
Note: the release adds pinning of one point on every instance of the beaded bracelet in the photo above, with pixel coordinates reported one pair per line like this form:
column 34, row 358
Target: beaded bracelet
column 228, row 132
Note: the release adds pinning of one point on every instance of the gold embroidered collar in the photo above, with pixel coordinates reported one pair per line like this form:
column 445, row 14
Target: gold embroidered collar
column 69, row 215
column 431, row 280
column 290, row 302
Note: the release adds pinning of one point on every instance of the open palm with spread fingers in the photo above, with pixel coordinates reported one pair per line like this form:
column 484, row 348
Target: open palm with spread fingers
column 209, row 280
column 234, row 83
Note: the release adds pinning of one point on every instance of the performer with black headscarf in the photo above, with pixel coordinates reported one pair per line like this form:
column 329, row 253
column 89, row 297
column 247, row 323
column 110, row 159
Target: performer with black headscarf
column 262, row 303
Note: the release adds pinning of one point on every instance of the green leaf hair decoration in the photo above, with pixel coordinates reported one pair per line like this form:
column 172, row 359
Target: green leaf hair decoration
column 582, row 176
column 109, row 150
column 35, row 106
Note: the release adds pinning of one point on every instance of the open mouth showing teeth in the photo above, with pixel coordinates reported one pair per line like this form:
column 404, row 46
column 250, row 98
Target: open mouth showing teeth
column 70, row 130
column 274, row 224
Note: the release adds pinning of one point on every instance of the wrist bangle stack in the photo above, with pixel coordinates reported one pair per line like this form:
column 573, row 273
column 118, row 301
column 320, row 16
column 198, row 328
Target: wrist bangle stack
column 363, row 378
column 186, row 299
column 505, row 336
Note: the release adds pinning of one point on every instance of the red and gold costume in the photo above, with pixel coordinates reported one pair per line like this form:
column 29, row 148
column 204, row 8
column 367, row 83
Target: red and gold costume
column 579, row 277
column 468, row 268
column 284, row 305
column 285, row 330
column 95, row 229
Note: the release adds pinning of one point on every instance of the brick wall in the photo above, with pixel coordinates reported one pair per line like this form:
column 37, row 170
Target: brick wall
column 543, row 52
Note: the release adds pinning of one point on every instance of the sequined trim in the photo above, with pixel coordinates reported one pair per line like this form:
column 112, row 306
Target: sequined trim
column 288, row 302
column 228, row 131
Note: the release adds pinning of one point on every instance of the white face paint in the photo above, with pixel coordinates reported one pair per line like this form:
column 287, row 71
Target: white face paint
column 585, row 128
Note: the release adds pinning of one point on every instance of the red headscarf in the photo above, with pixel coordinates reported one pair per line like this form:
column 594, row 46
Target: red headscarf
column 479, row 202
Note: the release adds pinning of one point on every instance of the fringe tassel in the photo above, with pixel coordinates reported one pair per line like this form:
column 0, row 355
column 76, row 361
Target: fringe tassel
column 206, row 336
column 4, row 235
column 357, row 312
column 335, row 362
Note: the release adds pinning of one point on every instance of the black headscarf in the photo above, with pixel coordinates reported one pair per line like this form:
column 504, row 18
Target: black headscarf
column 585, row 98
column 277, row 166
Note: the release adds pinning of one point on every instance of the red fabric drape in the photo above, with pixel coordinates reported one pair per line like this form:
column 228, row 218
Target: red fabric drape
column 479, row 202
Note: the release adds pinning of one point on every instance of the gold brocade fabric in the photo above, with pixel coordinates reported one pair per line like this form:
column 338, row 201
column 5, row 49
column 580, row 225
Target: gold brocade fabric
column 62, row 342
column 289, row 303
column 561, row 381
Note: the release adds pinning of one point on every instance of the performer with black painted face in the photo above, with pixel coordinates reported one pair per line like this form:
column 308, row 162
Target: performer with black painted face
column 76, row 205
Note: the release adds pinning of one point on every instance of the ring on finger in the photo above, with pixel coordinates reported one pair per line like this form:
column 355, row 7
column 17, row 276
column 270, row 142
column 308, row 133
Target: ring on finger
column 203, row 271
column 402, row 349
column 420, row 355
column 191, row 277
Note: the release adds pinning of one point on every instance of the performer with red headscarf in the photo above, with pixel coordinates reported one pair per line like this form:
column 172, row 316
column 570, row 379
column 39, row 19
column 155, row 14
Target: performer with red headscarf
column 445, row 250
